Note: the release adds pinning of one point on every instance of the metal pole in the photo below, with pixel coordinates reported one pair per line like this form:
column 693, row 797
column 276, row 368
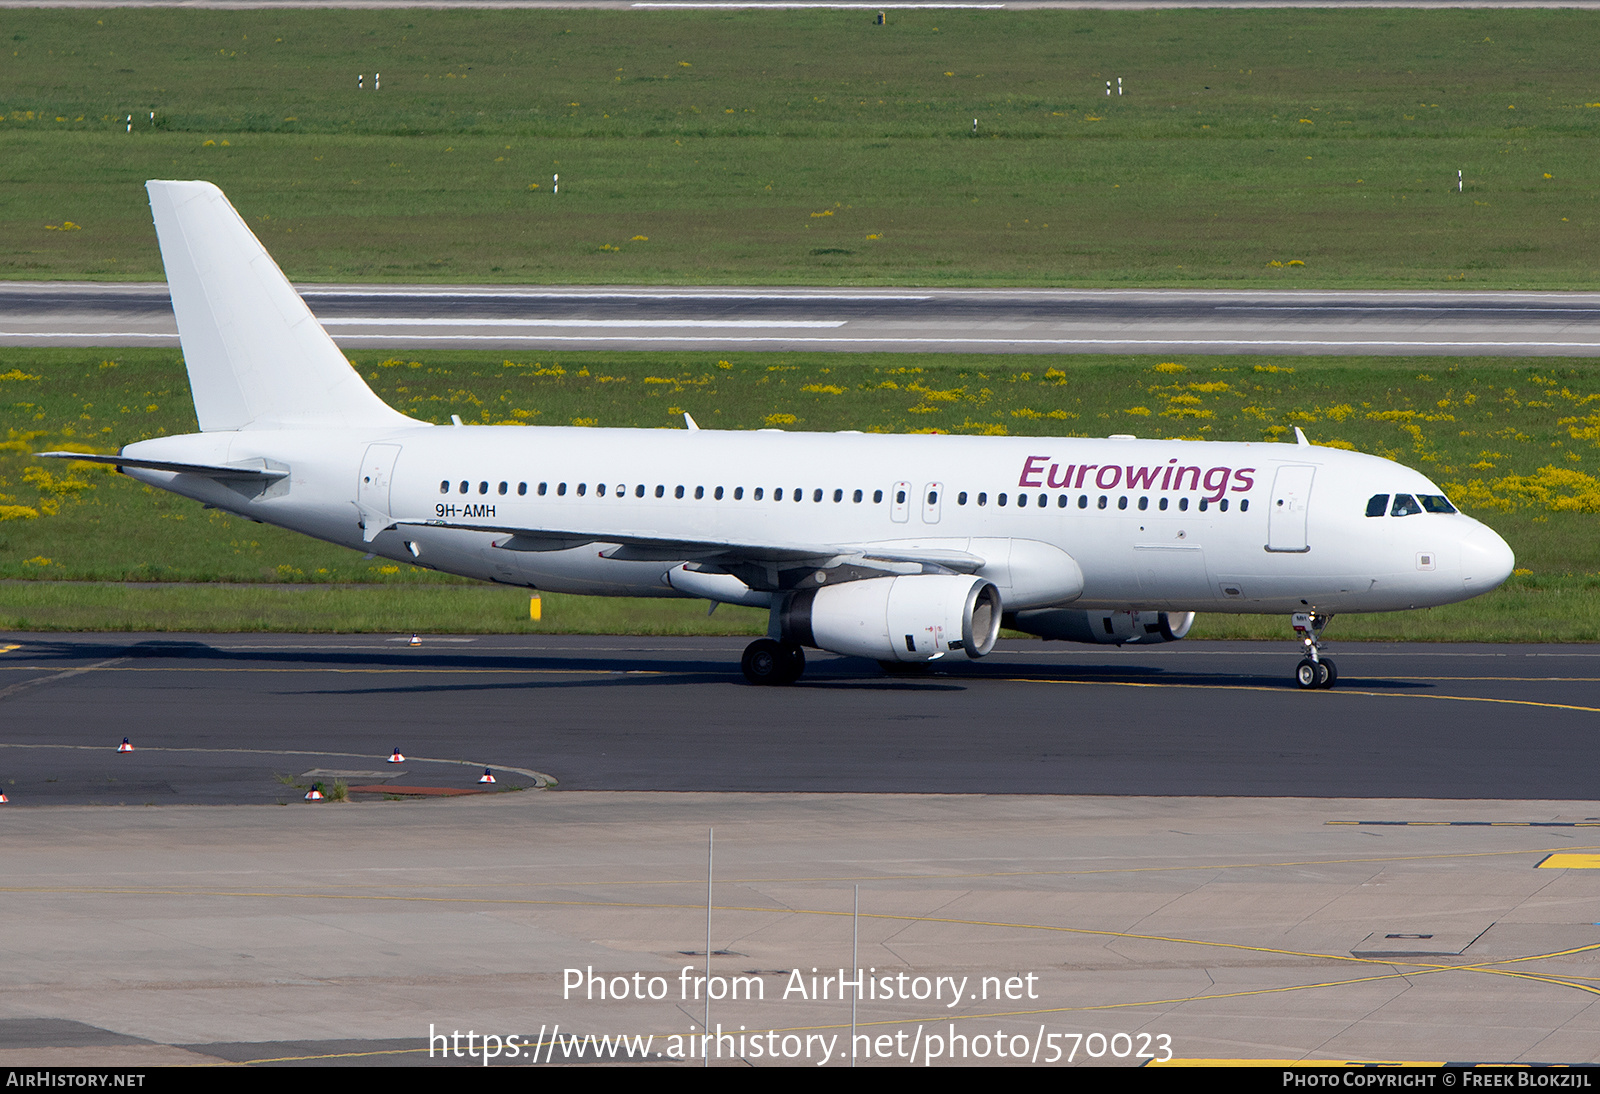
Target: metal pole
column 710, row 848
column 855, row 962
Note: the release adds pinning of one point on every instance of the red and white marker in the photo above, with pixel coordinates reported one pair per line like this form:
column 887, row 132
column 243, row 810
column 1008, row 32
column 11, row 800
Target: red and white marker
column 416, row 640
column 315, row 793
column 125, row 746
column 488, row 776
column 3, row 798
column 397, row 758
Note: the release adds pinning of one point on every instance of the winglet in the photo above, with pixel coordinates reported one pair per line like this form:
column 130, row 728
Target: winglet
column 1300, row 437
column 690, row 422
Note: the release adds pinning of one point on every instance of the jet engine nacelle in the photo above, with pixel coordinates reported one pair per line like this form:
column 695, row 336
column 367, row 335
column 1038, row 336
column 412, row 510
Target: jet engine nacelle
column 917, row 617
column 1103, row 628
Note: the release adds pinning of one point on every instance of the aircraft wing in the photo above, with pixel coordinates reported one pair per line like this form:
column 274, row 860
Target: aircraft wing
column 645, row 546
column 253, row 470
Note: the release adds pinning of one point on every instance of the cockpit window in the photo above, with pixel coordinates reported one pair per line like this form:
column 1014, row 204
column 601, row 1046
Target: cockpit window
column 1377, row 505
column 1404, row 506
column 1436, row 503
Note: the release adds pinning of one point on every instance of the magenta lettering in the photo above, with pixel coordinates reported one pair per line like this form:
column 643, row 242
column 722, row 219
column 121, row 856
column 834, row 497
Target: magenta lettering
column 1220, row 486
column 1142, row 478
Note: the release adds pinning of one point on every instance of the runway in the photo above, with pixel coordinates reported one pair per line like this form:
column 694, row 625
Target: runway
column 241, row 718
column 856, row 320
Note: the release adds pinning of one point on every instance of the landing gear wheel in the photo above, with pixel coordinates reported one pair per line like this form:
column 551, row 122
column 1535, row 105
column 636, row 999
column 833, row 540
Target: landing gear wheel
column 792, row 657
column 762, row 662
column 1306, row 675
column 768, row 662
column 1329, row 673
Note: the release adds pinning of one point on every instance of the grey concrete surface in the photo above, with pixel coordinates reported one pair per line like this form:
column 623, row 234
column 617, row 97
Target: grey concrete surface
column 1014, row 5
column 856, row 320
column 1220, row 859
column 344, row 933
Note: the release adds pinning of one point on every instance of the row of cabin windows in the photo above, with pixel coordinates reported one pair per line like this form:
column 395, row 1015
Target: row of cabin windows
column 1064, row 500
column 1042, row 501
column 1405, row 505
column 621, row 491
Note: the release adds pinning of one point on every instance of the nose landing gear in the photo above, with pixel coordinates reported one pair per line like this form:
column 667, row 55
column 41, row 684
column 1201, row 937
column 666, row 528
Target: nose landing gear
column 1314, row 670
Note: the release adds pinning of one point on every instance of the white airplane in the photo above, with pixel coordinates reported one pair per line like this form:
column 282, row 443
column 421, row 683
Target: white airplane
column 903, row 549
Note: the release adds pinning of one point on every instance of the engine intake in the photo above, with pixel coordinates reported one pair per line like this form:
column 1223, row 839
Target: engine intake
column 916, row 617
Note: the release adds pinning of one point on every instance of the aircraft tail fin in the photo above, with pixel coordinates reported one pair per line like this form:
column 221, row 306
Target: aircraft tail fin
column 257, row 357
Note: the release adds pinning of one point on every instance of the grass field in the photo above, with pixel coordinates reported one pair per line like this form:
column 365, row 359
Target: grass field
column 1515, row 442
column 815, row 147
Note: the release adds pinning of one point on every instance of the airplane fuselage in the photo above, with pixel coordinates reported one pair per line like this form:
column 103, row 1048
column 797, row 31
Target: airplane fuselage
column 1179, row 525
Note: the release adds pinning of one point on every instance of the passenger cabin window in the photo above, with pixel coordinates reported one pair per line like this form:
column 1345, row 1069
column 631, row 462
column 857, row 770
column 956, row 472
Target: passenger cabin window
column 1404, row 506
column 483, row 488
column 542, row 487
column 756, row 495
column 877, row 497
column 522, row 489
column 444, row 487
column 465, row 486
column 1377, row 505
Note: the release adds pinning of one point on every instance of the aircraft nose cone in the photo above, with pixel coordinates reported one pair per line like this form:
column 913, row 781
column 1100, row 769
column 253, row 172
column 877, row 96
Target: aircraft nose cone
column 1486, row 560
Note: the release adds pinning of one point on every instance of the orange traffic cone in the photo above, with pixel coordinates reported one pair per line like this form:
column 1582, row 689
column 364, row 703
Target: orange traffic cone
column 315, row 793
column 488, row 776
column 396, row 758
column 125, row 746
column 415, row 641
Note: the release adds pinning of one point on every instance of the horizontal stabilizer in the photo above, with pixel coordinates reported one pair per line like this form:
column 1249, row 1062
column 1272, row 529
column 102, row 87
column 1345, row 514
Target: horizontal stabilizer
column 210, row 471
column 257, row 357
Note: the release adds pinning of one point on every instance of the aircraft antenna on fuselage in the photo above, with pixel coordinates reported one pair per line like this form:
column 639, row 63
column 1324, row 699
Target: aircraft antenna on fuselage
column 257, row 357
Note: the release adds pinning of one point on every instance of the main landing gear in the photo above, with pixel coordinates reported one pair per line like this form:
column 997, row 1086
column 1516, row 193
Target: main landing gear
column 1314, row 670
column 767, row 661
